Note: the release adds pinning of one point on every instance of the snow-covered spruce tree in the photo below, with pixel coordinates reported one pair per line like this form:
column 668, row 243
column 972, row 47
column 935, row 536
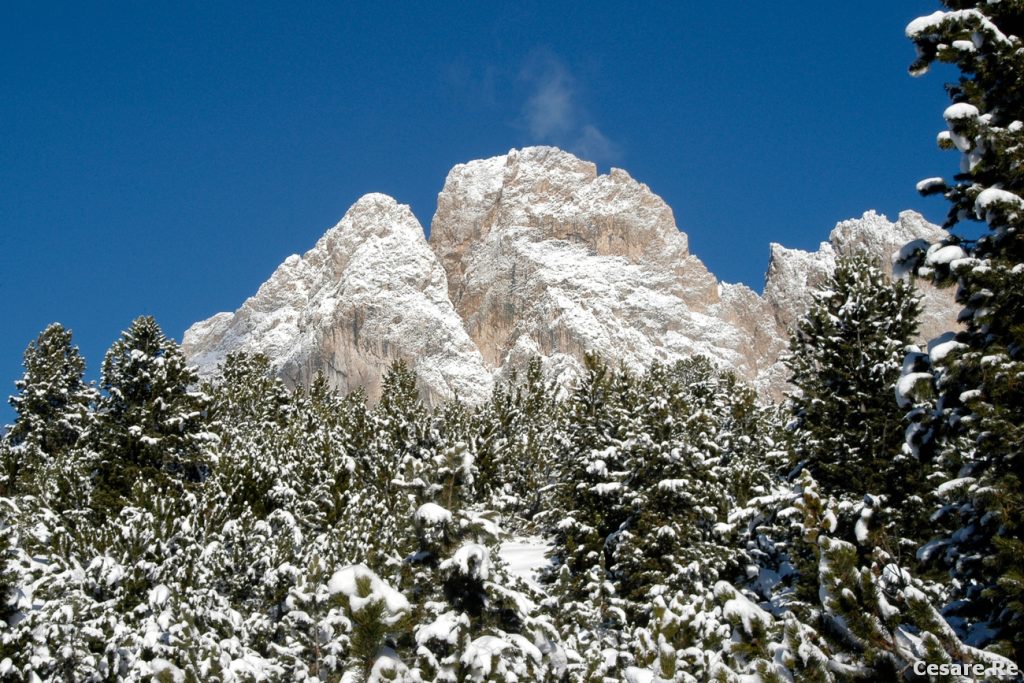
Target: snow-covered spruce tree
column 53, row 406
column 874, row 614
column 856, row 613
column 152, row 417
column 845, row 358
column 248, row 397
column 687, row 448
column 588, row 505
column 403, row 437
column 471, row 619
column 10, row 578
column 679, row 451
column 376, row 614
column 514, row 438
column 976, row 425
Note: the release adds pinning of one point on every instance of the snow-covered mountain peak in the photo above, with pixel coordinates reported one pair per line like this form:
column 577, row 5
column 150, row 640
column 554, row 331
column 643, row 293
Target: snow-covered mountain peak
column 794, row 274
column 876, row 234
column 369, row 292
column 546, row 193
column 545, row 254
column 530, row 253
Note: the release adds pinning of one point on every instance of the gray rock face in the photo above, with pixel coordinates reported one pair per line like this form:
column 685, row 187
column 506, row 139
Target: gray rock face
column 530, row 253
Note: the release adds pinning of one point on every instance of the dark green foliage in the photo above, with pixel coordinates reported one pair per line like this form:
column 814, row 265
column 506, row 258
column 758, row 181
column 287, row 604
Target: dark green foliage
column 975, row 425
column 515, row 443
column 8, row 579
column 651, row 469
column 53, row 405
column 592, row 468
column 152, row 417
column 845, row 358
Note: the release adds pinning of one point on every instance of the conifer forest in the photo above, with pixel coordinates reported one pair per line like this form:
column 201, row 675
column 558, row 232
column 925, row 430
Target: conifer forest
column 868, row 527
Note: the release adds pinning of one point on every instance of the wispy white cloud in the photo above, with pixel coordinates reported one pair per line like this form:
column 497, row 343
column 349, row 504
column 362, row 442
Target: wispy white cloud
column 550, row 109
column 553, row 114
column 593, row 144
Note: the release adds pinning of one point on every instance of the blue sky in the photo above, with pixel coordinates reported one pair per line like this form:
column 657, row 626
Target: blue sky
column 163, row 158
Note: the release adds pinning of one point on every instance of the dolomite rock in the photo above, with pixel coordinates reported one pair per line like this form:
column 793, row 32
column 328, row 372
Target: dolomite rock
column 793, row 275
column 531, row 253
column 370, row 291
column 545, row 256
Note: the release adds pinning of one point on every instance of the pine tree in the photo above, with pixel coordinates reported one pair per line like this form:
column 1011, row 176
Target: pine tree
column 677, row 493
column 152, row 418
column 53, row 405
column 975, row 426
column 589, row 506
column 514, row 438
column 845, row 357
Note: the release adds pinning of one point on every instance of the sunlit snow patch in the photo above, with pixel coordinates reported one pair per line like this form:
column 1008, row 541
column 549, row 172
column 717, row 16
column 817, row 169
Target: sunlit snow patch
column 525, row 557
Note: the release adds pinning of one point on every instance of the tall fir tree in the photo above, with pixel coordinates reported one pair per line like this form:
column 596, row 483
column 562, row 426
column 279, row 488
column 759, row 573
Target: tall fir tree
column 513, row 435
column 53, row 404
column 152, row 419
column 975, row 424
column 845, row 357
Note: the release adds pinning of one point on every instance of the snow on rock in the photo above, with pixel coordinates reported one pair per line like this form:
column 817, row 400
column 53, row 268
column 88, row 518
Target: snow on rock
column 532, row 253
column 363, row 587
column 371, row 291
column 793, row 275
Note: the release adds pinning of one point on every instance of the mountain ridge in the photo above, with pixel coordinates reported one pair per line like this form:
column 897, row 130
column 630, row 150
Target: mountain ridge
column 530, row 253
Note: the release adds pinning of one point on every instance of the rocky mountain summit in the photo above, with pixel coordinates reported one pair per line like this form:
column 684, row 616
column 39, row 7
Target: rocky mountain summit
column 371, row 291
column 530, row 253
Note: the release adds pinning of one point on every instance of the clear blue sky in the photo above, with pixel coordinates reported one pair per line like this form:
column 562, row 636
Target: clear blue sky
column 163, row 158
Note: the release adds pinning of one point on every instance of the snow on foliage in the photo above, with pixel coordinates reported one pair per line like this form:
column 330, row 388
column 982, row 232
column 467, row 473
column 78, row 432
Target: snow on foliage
column 363, row 588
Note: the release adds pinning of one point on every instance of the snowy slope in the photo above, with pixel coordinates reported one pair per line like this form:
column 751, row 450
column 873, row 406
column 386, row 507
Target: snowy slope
column 525, row 557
